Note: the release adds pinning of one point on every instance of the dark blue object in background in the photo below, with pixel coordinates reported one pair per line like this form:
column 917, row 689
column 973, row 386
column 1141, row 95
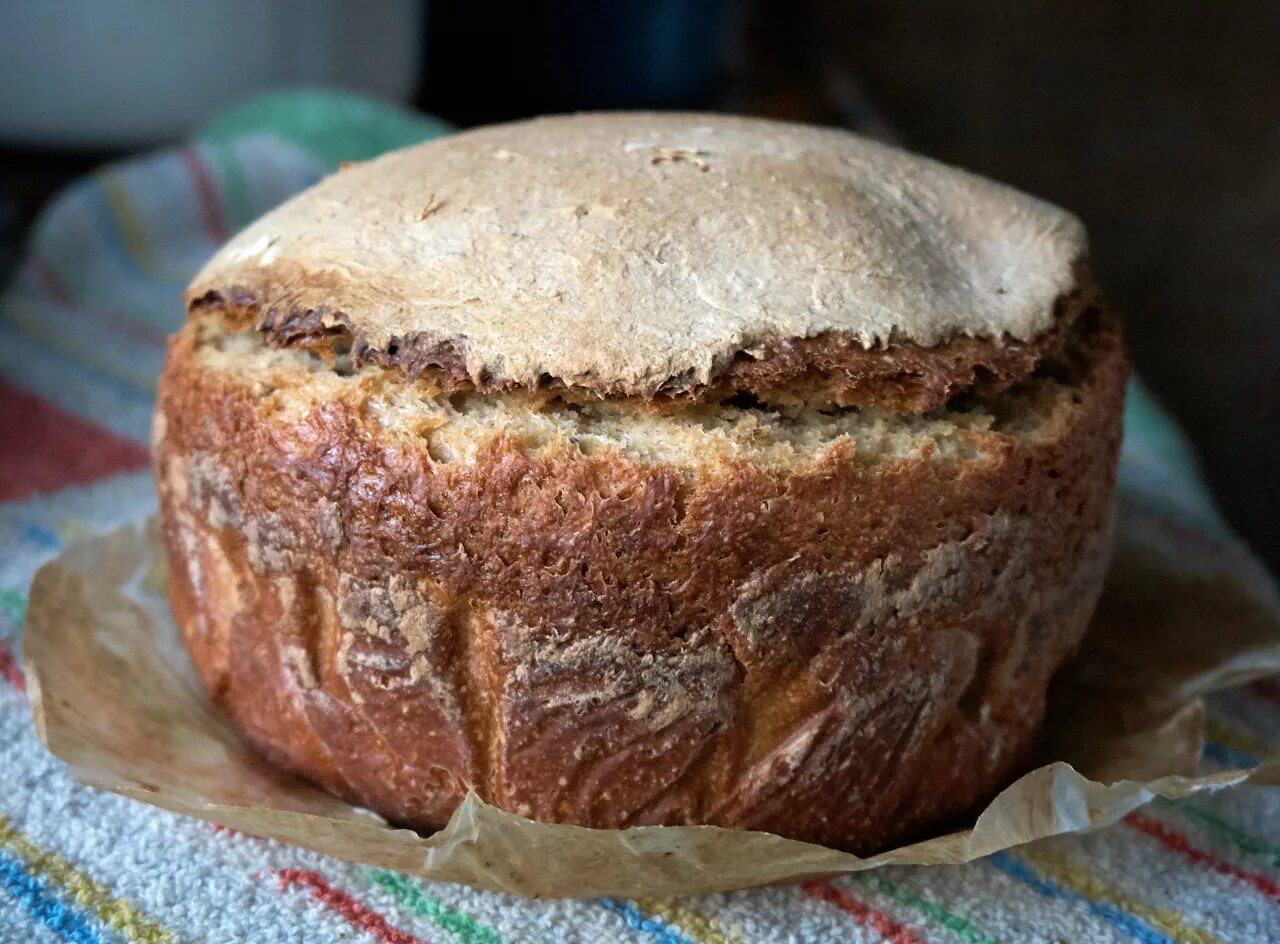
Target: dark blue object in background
column 494, row 61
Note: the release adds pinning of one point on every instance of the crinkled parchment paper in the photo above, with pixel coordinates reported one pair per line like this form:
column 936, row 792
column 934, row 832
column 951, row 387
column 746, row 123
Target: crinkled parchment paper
column 114, row 696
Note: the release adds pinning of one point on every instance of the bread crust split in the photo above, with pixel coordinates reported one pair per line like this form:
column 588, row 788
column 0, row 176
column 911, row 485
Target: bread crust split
column 832, row 369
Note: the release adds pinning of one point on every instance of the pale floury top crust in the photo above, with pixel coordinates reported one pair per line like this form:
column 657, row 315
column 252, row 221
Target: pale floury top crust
column 640, row 252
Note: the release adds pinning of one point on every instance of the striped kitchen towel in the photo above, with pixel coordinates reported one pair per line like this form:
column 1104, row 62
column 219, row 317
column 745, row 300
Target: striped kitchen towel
column 82, row 328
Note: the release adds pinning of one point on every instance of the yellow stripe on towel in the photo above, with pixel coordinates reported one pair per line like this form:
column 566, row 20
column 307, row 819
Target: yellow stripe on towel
column 695, row 926
column 1062, row 870
column 89, row 894
column 1239, row 741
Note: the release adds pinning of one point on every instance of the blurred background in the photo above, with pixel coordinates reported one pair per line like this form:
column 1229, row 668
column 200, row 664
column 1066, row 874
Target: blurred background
column 1158, row 123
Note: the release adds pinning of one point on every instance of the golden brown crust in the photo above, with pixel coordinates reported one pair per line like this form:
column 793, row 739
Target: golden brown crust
column 843, row 651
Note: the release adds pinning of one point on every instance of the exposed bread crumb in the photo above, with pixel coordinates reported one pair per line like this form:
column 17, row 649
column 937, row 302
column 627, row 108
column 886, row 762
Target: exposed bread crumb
column 457, row 424
column 675, row 155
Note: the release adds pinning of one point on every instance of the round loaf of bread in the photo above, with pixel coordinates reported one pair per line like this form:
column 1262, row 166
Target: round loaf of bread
column 644, row 469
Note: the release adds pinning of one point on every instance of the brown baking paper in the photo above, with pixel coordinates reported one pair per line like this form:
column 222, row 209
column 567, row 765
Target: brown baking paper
column 114, row 696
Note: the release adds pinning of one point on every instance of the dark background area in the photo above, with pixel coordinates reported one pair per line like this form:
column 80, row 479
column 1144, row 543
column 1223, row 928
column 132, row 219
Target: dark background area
column 1158, row 123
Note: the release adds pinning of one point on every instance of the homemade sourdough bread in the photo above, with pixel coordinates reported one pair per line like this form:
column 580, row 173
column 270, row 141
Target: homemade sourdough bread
column 644, row 469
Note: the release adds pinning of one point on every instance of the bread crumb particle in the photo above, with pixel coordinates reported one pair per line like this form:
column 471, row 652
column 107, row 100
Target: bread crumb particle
column 432, row 206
